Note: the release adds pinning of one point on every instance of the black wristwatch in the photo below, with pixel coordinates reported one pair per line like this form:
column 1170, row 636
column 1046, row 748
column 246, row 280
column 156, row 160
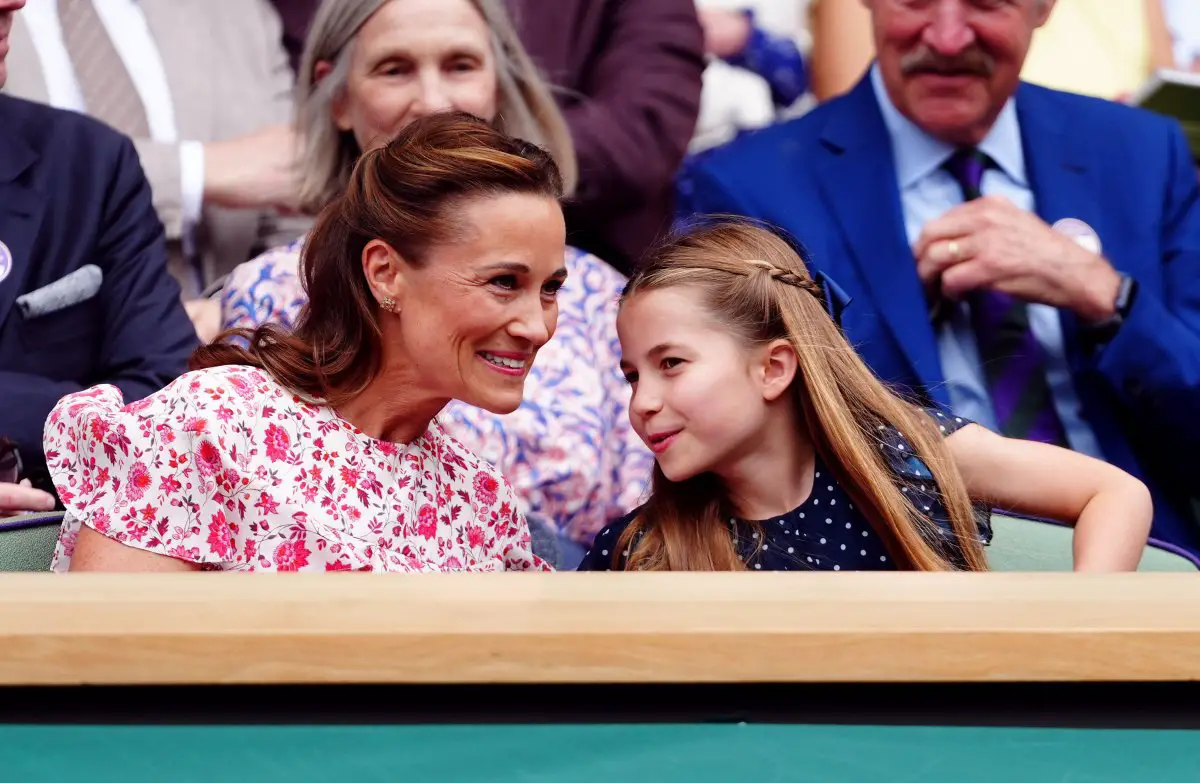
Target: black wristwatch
column 1103, row 331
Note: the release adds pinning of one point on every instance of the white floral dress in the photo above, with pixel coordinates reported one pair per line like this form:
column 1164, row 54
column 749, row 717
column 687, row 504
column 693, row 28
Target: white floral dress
column 228, row 469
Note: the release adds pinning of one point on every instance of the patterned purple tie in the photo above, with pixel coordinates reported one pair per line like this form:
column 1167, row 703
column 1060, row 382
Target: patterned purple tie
column 1014, row 362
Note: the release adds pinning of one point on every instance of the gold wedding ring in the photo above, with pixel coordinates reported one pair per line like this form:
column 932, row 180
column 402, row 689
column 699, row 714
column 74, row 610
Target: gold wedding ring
column 953, row 249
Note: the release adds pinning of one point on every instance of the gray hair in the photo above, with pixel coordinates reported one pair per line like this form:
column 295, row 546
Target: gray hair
column 525, row 106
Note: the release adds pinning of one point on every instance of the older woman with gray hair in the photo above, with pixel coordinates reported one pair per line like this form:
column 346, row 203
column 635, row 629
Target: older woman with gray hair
column 369, row 68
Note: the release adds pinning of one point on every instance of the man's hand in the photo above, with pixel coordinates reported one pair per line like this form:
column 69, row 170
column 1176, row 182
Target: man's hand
column 726, row 32
column 22, row 499
column 990, row 243
column 254, row 171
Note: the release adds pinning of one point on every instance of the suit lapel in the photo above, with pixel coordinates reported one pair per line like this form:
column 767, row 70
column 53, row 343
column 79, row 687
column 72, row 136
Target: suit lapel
column 1064, row 180
column 1058, row 163
column 21, row 209
column 857, row 175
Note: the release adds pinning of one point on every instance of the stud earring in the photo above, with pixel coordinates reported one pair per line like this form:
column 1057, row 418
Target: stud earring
column 388, row 303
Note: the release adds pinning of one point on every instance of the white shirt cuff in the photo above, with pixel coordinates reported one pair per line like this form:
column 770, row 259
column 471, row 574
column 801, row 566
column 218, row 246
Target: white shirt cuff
column 191, row 181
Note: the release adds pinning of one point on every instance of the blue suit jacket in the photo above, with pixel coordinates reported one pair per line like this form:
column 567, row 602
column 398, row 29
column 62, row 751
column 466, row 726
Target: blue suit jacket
column 73, row 193
column 828, row 178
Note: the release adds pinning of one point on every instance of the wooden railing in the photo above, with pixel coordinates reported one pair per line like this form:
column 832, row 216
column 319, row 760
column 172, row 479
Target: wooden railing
column 589, row 628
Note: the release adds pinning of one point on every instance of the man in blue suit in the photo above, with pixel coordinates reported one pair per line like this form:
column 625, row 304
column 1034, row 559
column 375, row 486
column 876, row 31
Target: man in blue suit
column 1029, row 257
column 85, row 297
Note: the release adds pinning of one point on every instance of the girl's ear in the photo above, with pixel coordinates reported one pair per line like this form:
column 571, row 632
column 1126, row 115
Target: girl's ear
column 778, row 369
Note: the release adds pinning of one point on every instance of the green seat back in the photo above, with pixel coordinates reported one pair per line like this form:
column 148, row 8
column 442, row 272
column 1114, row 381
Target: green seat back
column 1031, row 545
column 27, row 542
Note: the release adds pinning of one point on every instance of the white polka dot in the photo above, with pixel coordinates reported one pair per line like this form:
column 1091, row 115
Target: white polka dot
column 843, row 547
column 828, row 521
column 830, row 488
column 904, row 490
column 802, row 515
column 822, row 541
column 927, row 508
column 883, row 558
column 791, row 550
column 818, row 474
column 833, row 502
column 625, row 553
column 604, row 551
column 809, row 559
column 901, row 447
column 864, row 534
column 766, row 546
column 757, row 566
column 817, row 502
column 958, row 420
column 847, row 525
column 862, row 552
column 837, row 568
column 755, row 536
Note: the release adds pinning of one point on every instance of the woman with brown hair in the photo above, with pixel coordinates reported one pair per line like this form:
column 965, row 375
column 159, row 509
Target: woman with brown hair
column 373, row 66
column 778, row 449
column 432, row 278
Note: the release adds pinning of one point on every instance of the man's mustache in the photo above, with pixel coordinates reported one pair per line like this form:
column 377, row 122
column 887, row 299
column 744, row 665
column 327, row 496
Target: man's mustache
column 974, row 61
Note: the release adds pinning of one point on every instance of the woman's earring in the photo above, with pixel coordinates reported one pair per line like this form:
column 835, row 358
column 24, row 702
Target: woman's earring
column 388, row 303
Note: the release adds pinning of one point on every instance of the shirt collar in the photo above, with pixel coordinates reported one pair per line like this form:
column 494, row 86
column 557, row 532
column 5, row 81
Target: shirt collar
column 918, row 154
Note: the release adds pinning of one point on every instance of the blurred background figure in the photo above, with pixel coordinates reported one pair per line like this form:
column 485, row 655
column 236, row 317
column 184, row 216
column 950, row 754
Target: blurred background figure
column 203, row 88
column 372, row 67
column 296, row 15
column 1107, row 49
column 628, row 79
column 1183, row 20
column 756, row 69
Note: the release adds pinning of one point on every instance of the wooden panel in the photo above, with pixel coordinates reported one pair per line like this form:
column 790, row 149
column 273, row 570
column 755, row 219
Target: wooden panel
column 598, row 627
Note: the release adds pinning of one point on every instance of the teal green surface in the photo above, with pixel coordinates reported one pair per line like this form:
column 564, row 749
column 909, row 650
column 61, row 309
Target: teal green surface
column 532, row 754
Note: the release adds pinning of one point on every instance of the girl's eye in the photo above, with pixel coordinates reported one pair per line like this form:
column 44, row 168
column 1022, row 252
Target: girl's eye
column 671, row 362
column 631, row 377
column 507, row 282
column 553, row 287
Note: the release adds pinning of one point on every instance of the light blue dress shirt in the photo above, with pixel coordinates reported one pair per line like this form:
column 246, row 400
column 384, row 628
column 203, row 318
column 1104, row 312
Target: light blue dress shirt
column 927, row 191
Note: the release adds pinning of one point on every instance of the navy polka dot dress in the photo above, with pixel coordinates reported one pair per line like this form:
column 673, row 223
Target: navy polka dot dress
column 826, row 532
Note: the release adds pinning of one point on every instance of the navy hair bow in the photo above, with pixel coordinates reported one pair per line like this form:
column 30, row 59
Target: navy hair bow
column 833, row 297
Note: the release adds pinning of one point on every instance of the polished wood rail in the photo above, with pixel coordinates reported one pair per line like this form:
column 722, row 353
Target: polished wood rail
column 599, row 627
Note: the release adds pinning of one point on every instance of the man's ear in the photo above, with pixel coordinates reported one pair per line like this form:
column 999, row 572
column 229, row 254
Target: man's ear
column 778, row 368
column 385, row 273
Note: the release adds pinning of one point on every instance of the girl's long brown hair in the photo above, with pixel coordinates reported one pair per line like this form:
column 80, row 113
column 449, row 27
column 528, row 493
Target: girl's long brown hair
column 407, row 194
column 756, row 283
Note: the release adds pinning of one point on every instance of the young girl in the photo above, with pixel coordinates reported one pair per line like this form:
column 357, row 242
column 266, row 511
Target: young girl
column 778, row 449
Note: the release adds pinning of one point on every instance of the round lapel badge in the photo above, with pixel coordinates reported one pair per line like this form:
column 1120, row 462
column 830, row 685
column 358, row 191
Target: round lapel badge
column 6, row 261
column 1084, row 235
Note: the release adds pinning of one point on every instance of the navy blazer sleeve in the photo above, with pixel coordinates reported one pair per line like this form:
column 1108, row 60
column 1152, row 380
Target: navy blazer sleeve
column 146, row 336
column 1153, row 362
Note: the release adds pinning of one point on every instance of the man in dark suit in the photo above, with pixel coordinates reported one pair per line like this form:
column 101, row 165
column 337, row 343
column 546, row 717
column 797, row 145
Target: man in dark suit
column 1030, row 257
column 85, row 296
column 629, row 78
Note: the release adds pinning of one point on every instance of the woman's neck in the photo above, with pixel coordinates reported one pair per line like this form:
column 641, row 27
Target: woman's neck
column 392, row 408
column 776, row 476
